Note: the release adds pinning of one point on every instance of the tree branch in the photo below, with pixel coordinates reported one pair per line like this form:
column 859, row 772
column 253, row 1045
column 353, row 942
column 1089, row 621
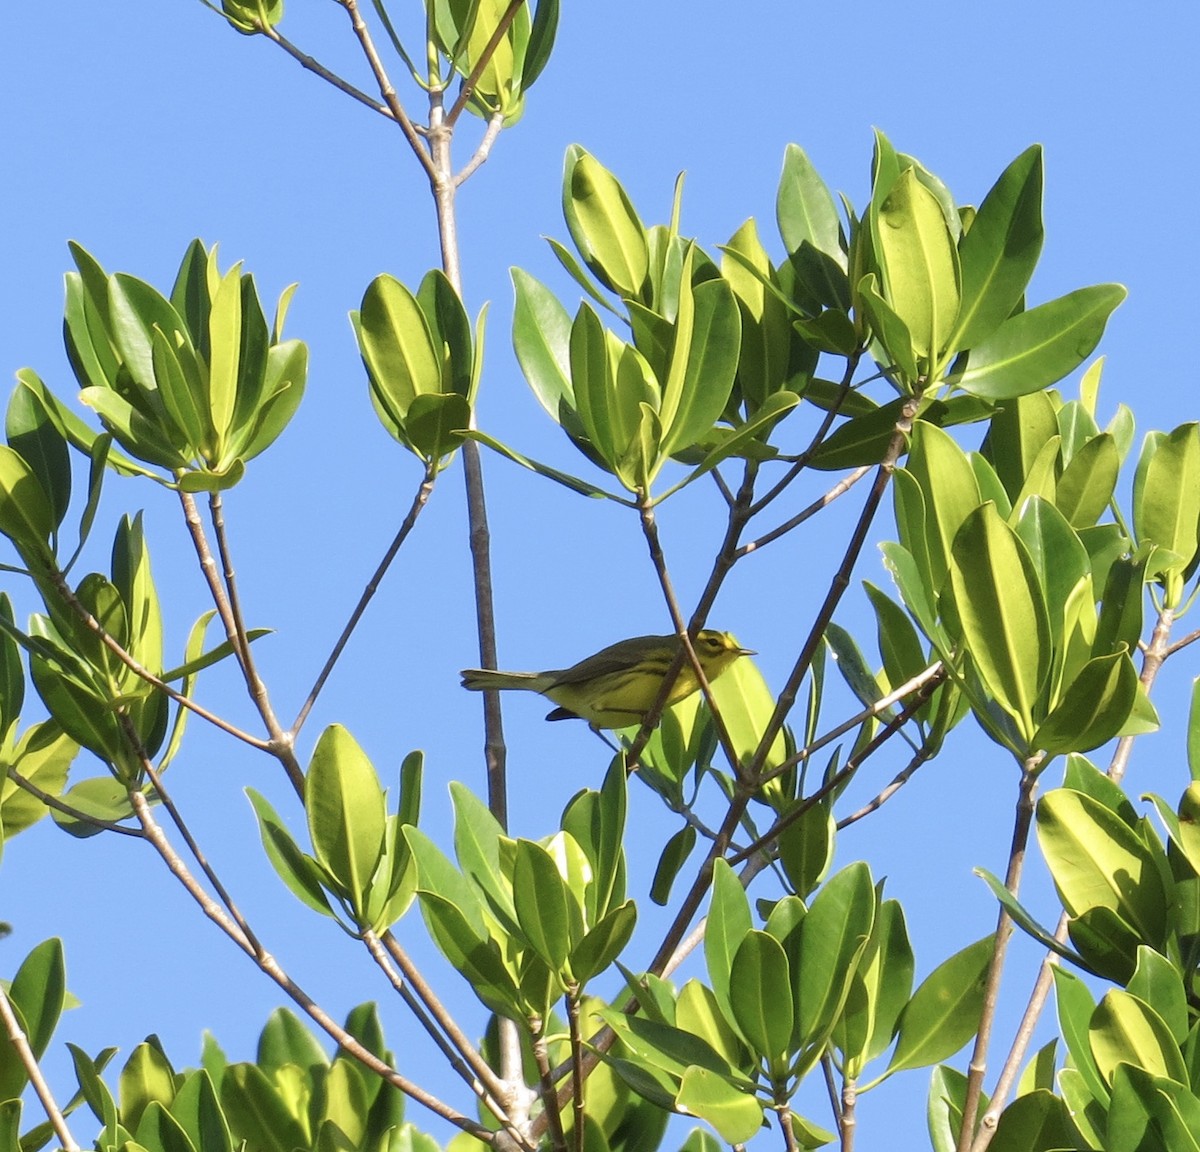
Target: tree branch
column 991, row 993
column 20, row 1043
column 419, row 502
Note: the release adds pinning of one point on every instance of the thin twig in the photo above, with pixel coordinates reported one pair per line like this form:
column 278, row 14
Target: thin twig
column 495, row 752
column 835, row 781
column 419, row 502
column 387, row 91
column 415, row 981
column 319, row 69
column 485, row 58
column 52, row 801
column 20, row 1043
column 225, row 597
column 849, row 1125
column 839, row 489
column 831, row 1089
column 488, row 1096
column 991, row 992
column 929, row 678
column 1156, row 651
column 726, row 557
column 784, row 1112
column 258, row 690
column 483, row 151
column 193, row 847
column 837, row 587
column 921, row 756
column 1182, row 642
column 818, row 439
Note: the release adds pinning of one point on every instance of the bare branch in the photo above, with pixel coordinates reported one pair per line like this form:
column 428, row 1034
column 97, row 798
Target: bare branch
column 20, row 1043
column 991, row 992
column 319, row 69
column 55, row 802
column 839, row 489
column 419, row 502
column 387, row 91
column 495, row 124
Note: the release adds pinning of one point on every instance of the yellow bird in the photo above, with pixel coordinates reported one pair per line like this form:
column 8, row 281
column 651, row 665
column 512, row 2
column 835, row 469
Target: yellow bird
column 617, row 686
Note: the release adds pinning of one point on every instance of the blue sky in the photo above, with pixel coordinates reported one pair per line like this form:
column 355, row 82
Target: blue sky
column 134, row 127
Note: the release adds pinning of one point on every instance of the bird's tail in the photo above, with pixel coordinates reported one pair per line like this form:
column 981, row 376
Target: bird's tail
column 483, row 679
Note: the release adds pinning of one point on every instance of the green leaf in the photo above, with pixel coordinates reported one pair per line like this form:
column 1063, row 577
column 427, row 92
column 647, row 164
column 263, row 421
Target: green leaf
column 583, row 487
column 43, row 756
column 943, row 1013
column 1034, row 349
column 806, row 848
column 146, row 1078
column 197, row 1109
column 38, row 990
column 101, row 797
column 33, row 435
column 604, row 943
column 433, row 424
column 697, row 1013
column 1034, row 1121
column 257, row 1112
column 728, row 923
column 949, row 497
column 1098, row 861
column 944, row 1107
column 890, row 329
column 604, row 224
column 1127, row 1030
column 920, row 263
column 397, row 346
column 697, row 389
column 760, row 993
column 477, row 958
column 674, row 856
column 298, row 871
column 1166, row 497
column 811, row 230
column 1002, row 612
column 1094, row 707
column 1157, row 982
column 833, row 937
column 1086, row 486
column 26, row 516
column 736, row 1115
column 346, row 814
column 1000, row 250
column 541, row 900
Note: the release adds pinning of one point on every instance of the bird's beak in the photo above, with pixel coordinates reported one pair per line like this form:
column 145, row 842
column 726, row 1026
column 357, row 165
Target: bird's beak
column 746, row 652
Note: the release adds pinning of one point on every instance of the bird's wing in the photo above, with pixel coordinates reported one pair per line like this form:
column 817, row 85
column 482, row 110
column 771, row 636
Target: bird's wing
column 615, row 658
